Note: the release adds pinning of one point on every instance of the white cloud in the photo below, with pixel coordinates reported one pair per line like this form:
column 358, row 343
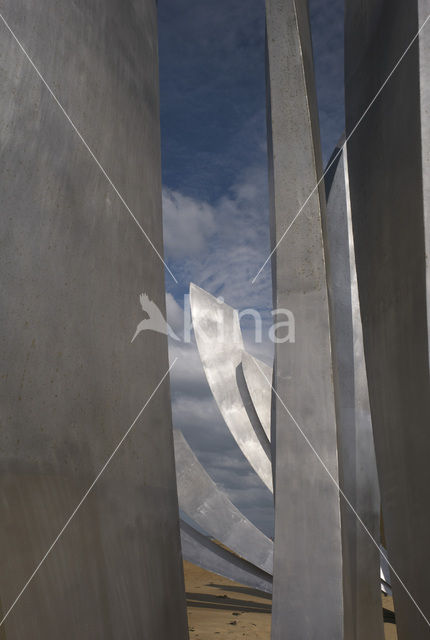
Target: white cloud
column 221, row 247
column 188, row 376
column 188, row 224
column 175, row 314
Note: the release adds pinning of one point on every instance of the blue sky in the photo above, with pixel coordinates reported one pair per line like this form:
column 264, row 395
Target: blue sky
column 215, row 200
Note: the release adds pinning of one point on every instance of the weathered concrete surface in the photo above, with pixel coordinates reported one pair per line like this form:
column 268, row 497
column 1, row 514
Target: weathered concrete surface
column 211, row 509
column 72, row 265
column 219, row 341
column 308, row 554
column 389, row 182
column 356, row 450
column 205, row 553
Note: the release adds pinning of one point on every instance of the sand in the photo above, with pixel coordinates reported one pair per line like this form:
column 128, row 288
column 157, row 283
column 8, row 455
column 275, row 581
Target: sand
column 220, row 608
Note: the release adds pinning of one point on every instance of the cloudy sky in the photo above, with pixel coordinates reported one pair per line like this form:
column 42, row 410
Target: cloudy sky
column 215, row 200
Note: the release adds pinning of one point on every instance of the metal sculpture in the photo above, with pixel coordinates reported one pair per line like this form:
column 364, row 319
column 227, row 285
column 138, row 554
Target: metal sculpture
column 219, row 340
column 356, row 451
column 321, row 439
column 205, row 553
column 308, row 550
column 389, row 172
column 73, row 263
column 63, row 398
column 256, row 374
column 250, row 408
column 212, row 510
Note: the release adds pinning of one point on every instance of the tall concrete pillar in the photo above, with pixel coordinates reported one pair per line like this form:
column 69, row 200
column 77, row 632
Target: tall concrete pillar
column 307, row 599
column 73, row 262
column 389, row 184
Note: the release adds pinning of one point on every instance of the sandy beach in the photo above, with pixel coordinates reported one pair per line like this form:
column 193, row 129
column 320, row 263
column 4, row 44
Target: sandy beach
column 220, row 608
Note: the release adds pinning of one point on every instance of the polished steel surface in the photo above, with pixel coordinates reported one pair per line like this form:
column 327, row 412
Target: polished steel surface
column 251, row 410
column 73, row 263
column 219, row 340
column 308, row 553
column 212, row 510
column 205, row 553
column 388, row 159
column 357, row 464
column 256, row 374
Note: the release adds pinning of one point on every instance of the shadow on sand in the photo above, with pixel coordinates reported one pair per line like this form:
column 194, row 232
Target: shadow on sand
column 224, row 603
column 247, row 591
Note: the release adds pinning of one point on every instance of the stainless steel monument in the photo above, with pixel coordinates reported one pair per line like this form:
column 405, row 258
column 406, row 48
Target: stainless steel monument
column 308, row 550
column 72, row 265
column 211, row 509
column 208, row 554
column 219, row 339
column 246, row 554
column 388, row 157
column 360, row 507
column 349, row 409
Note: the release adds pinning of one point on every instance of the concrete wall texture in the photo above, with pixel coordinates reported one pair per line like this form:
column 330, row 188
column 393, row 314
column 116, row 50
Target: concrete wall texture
column 73, row 262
